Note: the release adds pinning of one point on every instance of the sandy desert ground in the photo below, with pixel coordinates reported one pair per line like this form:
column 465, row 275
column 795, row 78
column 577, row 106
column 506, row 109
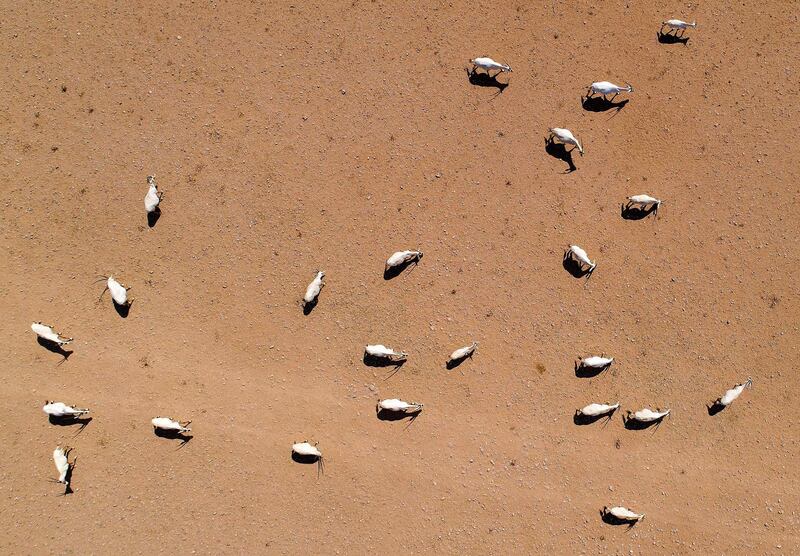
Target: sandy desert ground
column 294, row 137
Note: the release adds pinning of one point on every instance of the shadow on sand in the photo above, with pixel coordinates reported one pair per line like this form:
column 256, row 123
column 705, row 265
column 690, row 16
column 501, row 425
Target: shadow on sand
column 575, row 268
column 583, row 420
column 70, row 421
column 485, row 80
column 634, row 425
column 385, row 415
column 372, row 361
column 453, row 363
column 600, row 104
column 631, row 212
column 54, row 347
column 611, row 519
column 395, row 271
column 122, row 310
column 308, row 459
column 308, row 307
column 173, row 435
column 152, row 217
column 68, row 477
column 559, row 151
column 384, row 363
column 670, row 38
column 589, row 372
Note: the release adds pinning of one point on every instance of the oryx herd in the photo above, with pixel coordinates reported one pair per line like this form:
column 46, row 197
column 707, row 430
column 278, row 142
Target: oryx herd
column 309, row 452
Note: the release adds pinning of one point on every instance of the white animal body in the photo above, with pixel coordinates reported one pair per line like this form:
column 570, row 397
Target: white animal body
column 403, row 257
column 581, row 256
column 381, row 351
column 678, row 24
column 607, row 88
column 169, row 424
column 47, row 333
column 308, row 450
column 398, row 406
column 647, row 415
column 119, row 293
column 566, row 137
column 313, row 289
column 63, row 465
column 463, row 352
column 487, row 64
column 596, row 409
column 596, row 362
column 623, row 513
column 59, row 409
column 644, row 200
column 729, row 396
column 153, row 196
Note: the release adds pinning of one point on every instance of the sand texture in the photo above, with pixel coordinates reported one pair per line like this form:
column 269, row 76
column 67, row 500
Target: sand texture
column 325, row 136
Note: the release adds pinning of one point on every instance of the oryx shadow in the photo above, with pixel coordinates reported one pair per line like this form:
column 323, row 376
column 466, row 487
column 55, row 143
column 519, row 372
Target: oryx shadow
column 54, row 347
column 308, row 307
column 485, row 80
column 173, row 435
column 68, row 478
column 373, row 361
column 68, row 421
column 559, row 151
column 122, row 310
column 589, row 372
column 310, row 459
column 631, row 212
column 385, row 415
column 575, row 268
column 671, row 38
column 582, row 420
column 714, row 408
column 395, row 271
column 152, row 217
column 634, row 425
column 453, row 363
column 601, row 104
column 610, row 519
column 305, row 459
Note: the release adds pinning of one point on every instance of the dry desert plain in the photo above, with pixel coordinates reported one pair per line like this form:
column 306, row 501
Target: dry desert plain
column 291, row 137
